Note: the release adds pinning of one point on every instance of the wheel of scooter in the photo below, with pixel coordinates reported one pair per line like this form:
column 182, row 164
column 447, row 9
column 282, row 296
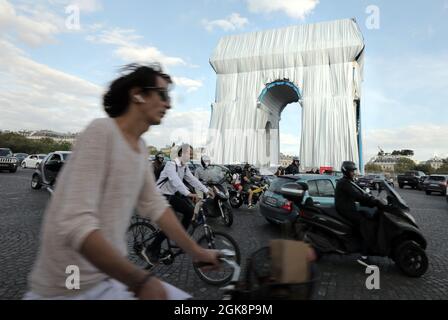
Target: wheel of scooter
column 235, row 202
column 411, row 259
column 228, row 215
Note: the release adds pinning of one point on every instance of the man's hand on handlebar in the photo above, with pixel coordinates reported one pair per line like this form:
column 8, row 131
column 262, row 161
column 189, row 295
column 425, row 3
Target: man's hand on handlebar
column 211, row 194
column 194, row 197
column 208, row 258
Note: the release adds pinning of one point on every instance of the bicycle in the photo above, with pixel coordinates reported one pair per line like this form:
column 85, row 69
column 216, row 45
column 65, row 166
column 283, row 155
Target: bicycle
column 142, row 233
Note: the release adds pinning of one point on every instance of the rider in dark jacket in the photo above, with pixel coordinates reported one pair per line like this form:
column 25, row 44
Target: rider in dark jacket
column 346, row 195
column 294, row 167
column 158, row 164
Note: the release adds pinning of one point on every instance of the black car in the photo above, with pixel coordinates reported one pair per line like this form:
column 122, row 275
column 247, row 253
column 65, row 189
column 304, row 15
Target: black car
column 414, row 179
column 20, row 156
column 372, row 181
column 46, row 173
column 7, row 161
column 436, row 183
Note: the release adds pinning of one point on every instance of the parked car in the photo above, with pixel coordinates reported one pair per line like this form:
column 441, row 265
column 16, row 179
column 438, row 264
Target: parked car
column 33, row 161
column 20, row 156
column 46, row 173
column 436, row 183
column 446, row 194
column 7, row 161
column 414, row 179
column 277, row 209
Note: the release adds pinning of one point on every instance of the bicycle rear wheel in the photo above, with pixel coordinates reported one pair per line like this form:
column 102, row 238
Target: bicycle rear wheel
column 218, row 241
column 139, row 236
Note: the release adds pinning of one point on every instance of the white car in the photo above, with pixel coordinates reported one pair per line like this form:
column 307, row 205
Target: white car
column 33, row 161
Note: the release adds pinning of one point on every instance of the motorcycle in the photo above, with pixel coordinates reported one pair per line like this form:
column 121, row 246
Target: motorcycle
column 397, row 234
column 219, row 206
column 238, row 199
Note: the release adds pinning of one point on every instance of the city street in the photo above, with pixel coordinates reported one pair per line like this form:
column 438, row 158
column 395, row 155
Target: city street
column 21, row 213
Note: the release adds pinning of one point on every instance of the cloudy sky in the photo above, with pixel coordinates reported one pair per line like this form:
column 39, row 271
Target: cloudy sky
column 53, row 70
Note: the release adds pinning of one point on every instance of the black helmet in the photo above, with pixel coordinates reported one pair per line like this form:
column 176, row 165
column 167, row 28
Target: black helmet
column 160, row 156
column 238, row 170
column 348, row 166
column 205, row 161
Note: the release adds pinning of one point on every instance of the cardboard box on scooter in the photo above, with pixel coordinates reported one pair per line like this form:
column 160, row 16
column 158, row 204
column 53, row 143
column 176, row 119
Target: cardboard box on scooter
column 290, row 261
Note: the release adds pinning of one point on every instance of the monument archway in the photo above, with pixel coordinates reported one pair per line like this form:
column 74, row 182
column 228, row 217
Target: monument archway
column 258, row 74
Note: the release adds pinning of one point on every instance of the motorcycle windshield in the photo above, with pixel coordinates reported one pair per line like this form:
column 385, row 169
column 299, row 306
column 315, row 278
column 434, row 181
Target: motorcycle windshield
column 395, row 196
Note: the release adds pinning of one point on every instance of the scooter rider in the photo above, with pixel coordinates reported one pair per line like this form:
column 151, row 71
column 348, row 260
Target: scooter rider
column 247, row 183
column 158, row 164
column 346, row 195
column 180, row 198
column 204, row 174
column 294, row 167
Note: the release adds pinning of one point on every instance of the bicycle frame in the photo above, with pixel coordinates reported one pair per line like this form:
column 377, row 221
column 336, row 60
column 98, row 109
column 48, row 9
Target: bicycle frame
column 197, row 221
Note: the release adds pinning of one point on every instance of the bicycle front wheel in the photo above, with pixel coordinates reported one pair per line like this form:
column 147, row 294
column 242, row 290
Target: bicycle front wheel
column 218, row 241
column 139, row 237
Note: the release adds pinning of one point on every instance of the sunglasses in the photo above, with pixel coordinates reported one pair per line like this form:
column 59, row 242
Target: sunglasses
column 162, row 92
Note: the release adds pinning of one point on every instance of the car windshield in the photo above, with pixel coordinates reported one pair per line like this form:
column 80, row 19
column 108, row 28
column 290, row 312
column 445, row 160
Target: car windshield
column 66, row 156
column 42, row 156
column 5, row 153
column 437, row 178
column 410, row 173
column 369, row 177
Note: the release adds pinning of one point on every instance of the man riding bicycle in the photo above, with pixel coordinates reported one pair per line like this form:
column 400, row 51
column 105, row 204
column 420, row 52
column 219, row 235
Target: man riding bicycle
column 180, row 198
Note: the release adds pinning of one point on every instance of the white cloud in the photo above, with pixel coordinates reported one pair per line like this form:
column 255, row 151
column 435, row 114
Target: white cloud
column 35, row 96
column 298, row 9
column 129, row 51
column 190, row 84
column 33, row 26
column 189, row 127
column 289, row 144
column 233, row 22
column 115, row 36
column 87, row 6
column 147, row 54
column 425, row 139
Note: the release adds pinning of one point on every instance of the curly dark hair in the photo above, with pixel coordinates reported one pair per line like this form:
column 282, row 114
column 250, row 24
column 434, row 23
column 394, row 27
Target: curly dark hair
column 116, row 100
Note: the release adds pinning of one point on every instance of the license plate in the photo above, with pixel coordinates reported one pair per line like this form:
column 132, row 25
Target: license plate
column 406, row 182
column 434, row 185
column 271, row 201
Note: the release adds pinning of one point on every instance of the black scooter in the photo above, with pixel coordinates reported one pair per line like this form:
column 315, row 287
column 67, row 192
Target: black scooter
column 397, row 234
column 219, row 206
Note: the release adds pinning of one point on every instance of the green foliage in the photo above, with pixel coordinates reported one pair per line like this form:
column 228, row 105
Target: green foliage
column 20, row 144
column 403, row 152
column 404, row 164
column 426, row 168
column 443, row 169
column 372, row 168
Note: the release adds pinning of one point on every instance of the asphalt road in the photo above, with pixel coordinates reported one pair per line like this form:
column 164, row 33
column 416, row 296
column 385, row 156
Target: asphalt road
column 21, row 212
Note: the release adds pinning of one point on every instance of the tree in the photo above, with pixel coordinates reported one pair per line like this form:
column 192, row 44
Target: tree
column 404, row 152
column 18, row 143
column 152, row 150
column 404, row 164
column 371, row 167
column 426, row 168
column 443, row 169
